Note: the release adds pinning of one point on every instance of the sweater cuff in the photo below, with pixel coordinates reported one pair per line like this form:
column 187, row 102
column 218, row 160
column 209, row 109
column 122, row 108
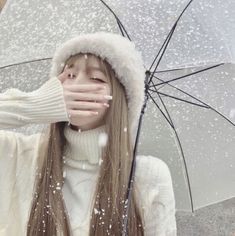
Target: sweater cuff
column 47, row 104
column 44, row 105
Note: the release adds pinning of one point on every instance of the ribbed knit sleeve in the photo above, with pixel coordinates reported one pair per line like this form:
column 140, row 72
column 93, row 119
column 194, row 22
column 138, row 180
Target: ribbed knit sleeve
column 44, row 105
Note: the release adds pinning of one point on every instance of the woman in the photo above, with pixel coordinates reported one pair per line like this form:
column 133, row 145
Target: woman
column 80, row 166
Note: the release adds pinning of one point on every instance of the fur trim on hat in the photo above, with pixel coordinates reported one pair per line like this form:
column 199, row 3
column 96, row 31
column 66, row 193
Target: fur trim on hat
column 121, row 54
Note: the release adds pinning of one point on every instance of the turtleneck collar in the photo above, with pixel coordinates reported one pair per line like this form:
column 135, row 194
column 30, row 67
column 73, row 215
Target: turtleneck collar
column 82, row 149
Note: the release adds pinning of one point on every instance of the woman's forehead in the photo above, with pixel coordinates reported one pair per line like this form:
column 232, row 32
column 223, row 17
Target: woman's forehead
column 89, row 60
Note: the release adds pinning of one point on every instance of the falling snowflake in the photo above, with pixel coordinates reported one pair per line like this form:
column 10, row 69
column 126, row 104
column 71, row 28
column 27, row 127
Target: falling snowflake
column 232, row 113
column 100, row 161
column 103, row 137
column 96, row 211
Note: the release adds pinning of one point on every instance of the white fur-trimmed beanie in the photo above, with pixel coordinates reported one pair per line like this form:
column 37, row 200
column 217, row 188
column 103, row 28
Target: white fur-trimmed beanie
column 123, row 57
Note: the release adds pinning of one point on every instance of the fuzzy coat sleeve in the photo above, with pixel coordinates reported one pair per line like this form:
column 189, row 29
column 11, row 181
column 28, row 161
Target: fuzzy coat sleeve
column 44, row 105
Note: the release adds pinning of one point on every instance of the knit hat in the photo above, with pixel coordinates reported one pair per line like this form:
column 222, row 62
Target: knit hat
column 122, row 56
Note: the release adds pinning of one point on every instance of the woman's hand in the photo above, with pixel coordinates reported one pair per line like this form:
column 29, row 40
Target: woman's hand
column 83, row 100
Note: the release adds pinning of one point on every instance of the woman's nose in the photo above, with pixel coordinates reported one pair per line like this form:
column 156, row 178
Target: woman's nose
column 75, row 75
column 80, row 77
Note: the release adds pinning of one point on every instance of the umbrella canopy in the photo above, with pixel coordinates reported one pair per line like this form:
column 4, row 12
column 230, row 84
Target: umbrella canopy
column 205, row 139
column 30, row 31
column 205, row 35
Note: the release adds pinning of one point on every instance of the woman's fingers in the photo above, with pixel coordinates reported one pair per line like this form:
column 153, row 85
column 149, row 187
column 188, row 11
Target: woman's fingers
column 84, row 100
column 87, row 97
column 82, row 114
column 84, row 87
column 86, row 105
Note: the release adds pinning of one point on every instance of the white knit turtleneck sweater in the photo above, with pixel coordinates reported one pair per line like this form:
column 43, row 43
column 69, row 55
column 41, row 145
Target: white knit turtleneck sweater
column 82, row 156
column 18, row 155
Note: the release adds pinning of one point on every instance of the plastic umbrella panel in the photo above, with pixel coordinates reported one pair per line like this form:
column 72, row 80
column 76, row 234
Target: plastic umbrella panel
column 205, row 34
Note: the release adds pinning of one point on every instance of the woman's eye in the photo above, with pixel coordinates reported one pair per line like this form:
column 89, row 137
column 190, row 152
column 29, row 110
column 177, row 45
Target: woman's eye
column 94, row 78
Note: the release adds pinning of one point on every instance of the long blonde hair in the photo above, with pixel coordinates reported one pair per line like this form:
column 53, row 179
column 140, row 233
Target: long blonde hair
column 48, row 215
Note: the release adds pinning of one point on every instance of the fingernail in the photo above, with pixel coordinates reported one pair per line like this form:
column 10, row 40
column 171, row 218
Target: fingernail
column 108, row 97
column 102, row 87
column 106, row 104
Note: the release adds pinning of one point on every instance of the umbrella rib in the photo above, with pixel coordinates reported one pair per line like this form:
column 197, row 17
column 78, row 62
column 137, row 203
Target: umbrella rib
column 175, row 69
column 160, row 110
column 25, row 62
column 210, row 107
column 167, row 82
column 163, row 47
column 118, row 20
column 120, row 27
column 168, row 38
column 157, row 90
column 182, row 153
column 180, row 99
column 184, row 10
column 154, row 85
column 193, row 73
column 170, row 70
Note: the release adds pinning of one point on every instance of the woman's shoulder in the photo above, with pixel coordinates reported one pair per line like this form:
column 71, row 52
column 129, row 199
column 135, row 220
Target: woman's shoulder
column 156, row 195
column 151, row 168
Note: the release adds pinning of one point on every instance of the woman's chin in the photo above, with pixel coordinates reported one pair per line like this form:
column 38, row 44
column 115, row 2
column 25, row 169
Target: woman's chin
column 85, row 126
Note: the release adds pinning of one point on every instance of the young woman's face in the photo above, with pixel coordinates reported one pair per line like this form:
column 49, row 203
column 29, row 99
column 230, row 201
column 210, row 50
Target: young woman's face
column 85, row 70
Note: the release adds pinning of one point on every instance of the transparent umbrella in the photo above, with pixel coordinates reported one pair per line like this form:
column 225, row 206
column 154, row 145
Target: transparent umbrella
column 189, row 53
